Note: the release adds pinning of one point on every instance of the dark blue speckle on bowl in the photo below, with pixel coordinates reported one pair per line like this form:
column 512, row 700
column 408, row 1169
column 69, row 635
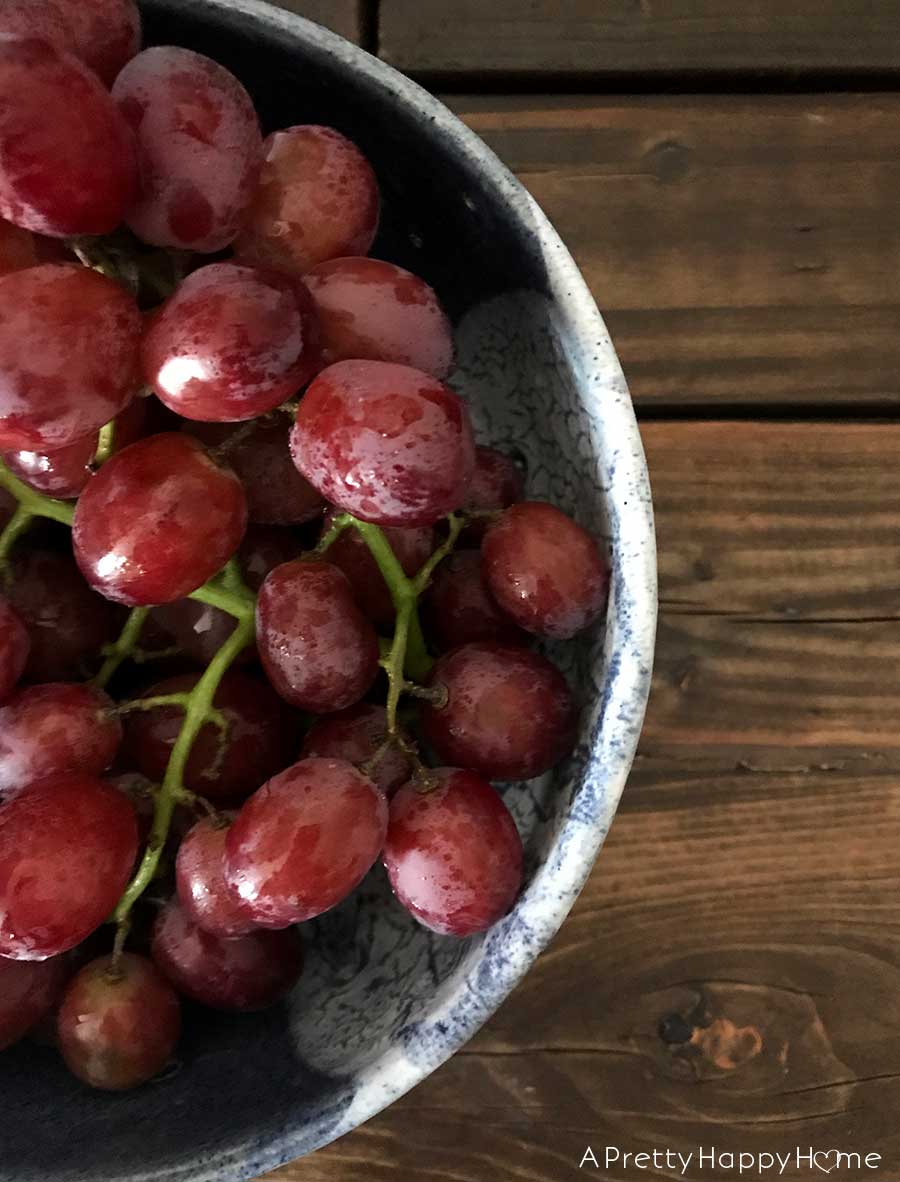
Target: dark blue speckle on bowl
column 383, row 1001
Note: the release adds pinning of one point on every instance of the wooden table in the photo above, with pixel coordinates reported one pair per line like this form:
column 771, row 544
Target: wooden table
column 727, row 174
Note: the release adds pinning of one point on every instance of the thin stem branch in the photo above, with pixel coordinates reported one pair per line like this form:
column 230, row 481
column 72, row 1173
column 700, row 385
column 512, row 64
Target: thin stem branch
column 123, row 648
column 240, row 606
column 36, row 503
column 18, row 524
column 106, row 441
column 334, row 531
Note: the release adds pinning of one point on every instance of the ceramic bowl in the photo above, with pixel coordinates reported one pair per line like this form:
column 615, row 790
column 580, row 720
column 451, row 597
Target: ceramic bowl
column 384, row 1001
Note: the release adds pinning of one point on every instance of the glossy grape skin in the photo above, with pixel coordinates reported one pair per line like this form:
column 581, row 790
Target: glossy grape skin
column 249, row 972
column 304, row 841
column 65, row 472
column 68, row 341
column 157, row 521
column 118, row 1028
column 49, row 729
column 263, row 737
column 385, row 442
column 453, row 855
column 544, row 570
column 67, row 847
column 459, row 608
column 231, row 343
column 497, row 482
column 372, row 310
column 317, row 199
column 199, row 148
column 412, row 548
column 509, row 713
column 15, row 646
column 200, row 881
column 28, row 992
column 67, row 622
column 104, row 34
column 67, row 158
column 355, row 735
column 318, row 650
column 260, row 455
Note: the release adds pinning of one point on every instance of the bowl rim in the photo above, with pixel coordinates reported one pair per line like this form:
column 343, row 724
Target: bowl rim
column 631, row 623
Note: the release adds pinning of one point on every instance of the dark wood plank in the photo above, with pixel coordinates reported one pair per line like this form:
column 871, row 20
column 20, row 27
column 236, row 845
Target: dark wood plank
column 600, row 38
column 342, row 16
column 731, row 974
column 742, row 249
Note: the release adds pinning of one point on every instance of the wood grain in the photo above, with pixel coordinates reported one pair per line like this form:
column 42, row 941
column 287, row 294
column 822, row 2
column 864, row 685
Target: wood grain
column 341, row 16
column 601, row 38
column 731, row 974
column 743, row 249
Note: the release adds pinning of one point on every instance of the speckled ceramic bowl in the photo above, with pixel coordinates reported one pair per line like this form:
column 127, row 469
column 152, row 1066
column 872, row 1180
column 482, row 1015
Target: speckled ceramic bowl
column 383, row 1001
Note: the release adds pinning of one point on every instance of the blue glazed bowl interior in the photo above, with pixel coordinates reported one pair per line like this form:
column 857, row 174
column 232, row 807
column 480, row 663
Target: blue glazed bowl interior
column 383, row 1001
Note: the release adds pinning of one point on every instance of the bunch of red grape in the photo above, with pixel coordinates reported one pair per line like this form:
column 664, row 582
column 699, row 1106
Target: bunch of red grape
column 246, row 423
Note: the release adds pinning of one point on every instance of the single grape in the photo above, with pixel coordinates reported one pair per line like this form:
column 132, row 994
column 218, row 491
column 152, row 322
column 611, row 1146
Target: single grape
column 67, row 847
column 104, row 34
column 118, row 1026
column 20, row 249
column 199, row 148
column 68, row 341
column 247, row 972
column 385, row 442
column 354, row 735
column 376, row 311
column 453, row 855
column 200, row 880
column 67, row 622
column 262, row 738
column 67, row 158
column 317, row 199
column 544, row 570
column 65, row 472
column 15, row 646
column 459, row 608
column 49, row 729
column 260, row 455
column 29, row 990
column 157, row 521
column 318, row 650
column 412, row 548
column 304, row 841
column 497, row 482
column 231, row 343
column 509, row 713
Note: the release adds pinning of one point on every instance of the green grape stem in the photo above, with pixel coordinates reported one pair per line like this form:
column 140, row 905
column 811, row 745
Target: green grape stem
column 123, row 648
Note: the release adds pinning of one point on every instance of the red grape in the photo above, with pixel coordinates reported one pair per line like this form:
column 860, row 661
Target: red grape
column 232, row 343
column 49, row 729
column 459, row 607
column 67, row 846
column 509, row 713
column 355, row 735
column 14, row 648
column 67, row 622
column 200, row 878
column 544, row 570
column 247, row 972
column 260, row 455
column 118, row 1026
column 412, row 547
column 65, row 472
column 453, row 855
column 317, row 199
column 28, row 992
column 68, row 341
column 497, row 482
column 318, row 650
column 105, row 34
column 263, row 737
column 67, row 159
column 157, row 521
column 20, row 249
column 386, row 442
column 199, row 148
column 373, row 310
column 304, row 841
